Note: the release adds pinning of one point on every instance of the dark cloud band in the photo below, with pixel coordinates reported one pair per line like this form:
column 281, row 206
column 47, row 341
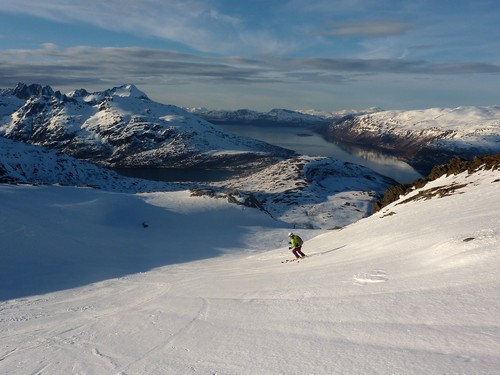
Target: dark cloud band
column 89, row 65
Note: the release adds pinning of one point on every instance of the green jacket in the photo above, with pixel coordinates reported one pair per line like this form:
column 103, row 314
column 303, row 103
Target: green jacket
column 295, row 242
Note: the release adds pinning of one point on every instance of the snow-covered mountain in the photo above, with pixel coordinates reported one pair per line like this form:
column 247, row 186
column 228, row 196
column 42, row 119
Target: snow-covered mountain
column 86, row 288
column 427, row 137
column 337, row 115
column 122, row 127
column 275, row 117
column 313, row 192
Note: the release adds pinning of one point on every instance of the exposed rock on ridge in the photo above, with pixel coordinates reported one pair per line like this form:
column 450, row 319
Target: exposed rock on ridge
column 454, row 166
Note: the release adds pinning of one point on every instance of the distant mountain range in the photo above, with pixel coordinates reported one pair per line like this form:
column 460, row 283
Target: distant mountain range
column 276, row 117
column 122, row 127
column 422, row 138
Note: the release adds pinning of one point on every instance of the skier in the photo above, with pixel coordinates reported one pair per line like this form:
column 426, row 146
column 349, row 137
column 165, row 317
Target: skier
column 296, row 245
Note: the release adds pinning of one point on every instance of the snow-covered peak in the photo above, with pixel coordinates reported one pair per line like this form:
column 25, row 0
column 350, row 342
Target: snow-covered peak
column 78, row 93
column 128, row 91
column 124, row 91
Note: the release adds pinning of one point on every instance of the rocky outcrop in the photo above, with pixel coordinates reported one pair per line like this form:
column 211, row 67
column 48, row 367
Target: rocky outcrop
column 458, row 165
column 454, row 166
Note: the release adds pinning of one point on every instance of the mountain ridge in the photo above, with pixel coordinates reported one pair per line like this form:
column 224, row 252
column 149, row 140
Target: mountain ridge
column 276, row 116
column 122, row 127
column 423, row 138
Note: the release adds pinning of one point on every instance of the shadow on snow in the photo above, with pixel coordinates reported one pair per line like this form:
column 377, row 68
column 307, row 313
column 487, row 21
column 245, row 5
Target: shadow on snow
column 57, row 238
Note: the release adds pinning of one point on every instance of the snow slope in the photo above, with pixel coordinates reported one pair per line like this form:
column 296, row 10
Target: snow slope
column 411, row 290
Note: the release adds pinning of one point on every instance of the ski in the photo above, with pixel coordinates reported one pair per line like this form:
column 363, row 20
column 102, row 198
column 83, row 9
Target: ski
column 293, row 260
column 290, row 260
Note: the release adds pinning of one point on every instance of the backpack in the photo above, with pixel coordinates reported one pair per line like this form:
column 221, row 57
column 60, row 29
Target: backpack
column 299, row 240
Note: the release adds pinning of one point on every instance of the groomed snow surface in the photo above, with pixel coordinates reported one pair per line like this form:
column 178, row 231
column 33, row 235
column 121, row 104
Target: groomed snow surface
column 93, row 282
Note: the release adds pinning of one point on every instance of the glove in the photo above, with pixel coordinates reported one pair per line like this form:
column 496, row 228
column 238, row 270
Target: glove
column 289, row 248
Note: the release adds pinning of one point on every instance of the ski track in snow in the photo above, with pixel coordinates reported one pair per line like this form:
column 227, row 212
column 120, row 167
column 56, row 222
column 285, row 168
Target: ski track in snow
column 169, row 344
column 375, row 276
column 84, row 317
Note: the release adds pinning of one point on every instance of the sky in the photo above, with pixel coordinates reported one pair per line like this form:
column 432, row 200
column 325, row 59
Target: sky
column 228, row 54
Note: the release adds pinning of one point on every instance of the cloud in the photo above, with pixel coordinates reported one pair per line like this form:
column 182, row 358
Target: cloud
column 369, row 28
column 80, row 66
column 399, row 66
column 197, row 24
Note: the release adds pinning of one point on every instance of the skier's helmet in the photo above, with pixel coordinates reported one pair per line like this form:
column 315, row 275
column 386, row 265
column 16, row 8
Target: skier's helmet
column 290, row 234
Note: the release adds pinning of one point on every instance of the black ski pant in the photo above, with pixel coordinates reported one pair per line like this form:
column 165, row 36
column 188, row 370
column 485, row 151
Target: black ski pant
column 298, row 252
